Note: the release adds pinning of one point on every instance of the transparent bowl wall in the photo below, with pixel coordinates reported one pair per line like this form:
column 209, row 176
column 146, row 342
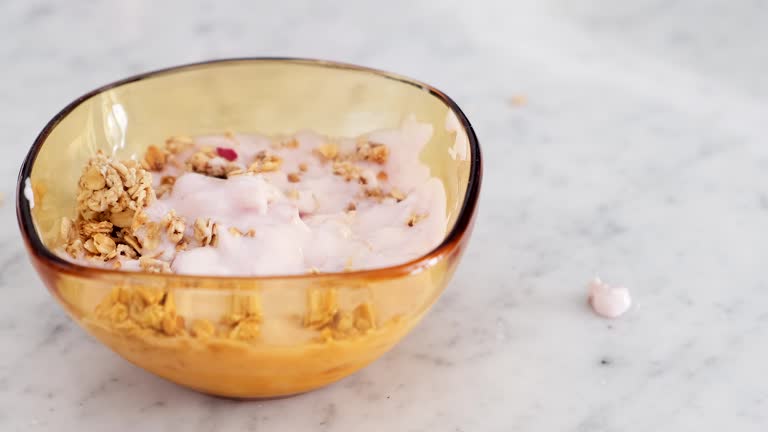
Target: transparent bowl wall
column 271, row 96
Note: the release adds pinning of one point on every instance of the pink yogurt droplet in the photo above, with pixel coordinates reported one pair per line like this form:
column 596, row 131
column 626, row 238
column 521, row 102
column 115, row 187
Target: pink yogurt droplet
column 608, row 301
column 227, row 153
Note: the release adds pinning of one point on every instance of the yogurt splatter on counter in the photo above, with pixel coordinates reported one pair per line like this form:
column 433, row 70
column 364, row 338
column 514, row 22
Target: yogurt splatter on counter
column 608, row 301
column 248, row 205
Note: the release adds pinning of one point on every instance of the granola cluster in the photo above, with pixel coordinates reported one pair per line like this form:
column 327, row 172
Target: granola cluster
column 113, row 191
column 323, row 314
column 150, row 310
column 244, row 320
column 154, row 310
column 142, row 308
column 346, row 165
column 208, row 162
column 111, row 198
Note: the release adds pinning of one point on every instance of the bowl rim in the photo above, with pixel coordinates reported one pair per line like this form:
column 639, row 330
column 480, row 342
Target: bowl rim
column 463, row 221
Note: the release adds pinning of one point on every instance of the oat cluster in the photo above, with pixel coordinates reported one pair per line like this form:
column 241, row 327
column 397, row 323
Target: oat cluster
column 112, row 190
column 142, row 309
column 110, row 201
column 323, row 314
column 153, row 310
column 346, row 165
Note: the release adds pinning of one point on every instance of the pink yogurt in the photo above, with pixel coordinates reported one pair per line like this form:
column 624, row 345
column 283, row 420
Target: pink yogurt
column 305, row 225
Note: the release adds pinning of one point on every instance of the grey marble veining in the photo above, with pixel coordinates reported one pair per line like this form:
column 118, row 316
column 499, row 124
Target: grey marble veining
column 639, row 155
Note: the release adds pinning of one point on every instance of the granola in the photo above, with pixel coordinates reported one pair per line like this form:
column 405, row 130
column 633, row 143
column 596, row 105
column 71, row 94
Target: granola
column 110, row 194
column 324, row 314
column 265, row 162
column 373, row 152
column 152, row 265
column 108, row 186
column 155, row 158
column 166, row 186
column 415, row 218
column 327, row 151
column 142, row 308
column 205, row 231
column 177, row 144
column 174, row 227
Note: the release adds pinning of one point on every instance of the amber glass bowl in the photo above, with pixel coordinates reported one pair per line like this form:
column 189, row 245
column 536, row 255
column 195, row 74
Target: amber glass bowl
column 285, row 355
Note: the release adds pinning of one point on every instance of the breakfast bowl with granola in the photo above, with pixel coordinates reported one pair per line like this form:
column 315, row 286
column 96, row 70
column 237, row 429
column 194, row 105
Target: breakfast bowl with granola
column 251, row 227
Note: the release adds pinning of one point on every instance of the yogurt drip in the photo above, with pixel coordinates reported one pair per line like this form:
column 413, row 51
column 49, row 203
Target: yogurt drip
column 608, row 301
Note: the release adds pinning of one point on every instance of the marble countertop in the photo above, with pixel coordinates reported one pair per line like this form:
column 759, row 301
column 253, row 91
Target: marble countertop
column 639, row 153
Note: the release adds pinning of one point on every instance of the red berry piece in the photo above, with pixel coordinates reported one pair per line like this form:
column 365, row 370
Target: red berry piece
column 227, row 153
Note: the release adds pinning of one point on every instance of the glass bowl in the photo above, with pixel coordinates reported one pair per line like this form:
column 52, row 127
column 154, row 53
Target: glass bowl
column 161, row 322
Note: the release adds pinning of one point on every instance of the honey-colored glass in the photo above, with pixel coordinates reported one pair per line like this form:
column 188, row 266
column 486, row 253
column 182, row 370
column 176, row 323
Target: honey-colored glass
column 270, row 96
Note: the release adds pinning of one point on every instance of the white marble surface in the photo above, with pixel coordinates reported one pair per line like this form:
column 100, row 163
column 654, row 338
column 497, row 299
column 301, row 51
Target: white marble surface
column 640, row 154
